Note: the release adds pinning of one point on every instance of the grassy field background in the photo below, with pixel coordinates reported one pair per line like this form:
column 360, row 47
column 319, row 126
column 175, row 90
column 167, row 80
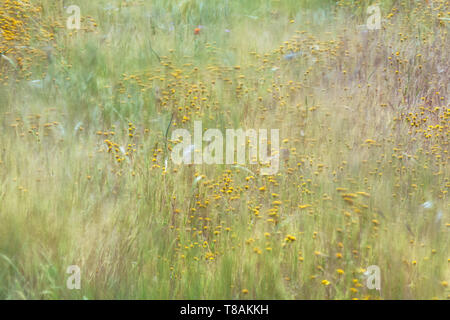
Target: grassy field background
column 86, row 177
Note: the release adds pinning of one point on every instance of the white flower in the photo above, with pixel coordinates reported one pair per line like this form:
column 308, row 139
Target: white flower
column 427, row 205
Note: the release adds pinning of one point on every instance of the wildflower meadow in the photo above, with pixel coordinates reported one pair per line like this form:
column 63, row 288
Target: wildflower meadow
column 224, row 149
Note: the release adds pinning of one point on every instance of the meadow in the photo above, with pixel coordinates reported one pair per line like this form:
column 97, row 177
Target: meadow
column 86, row 176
